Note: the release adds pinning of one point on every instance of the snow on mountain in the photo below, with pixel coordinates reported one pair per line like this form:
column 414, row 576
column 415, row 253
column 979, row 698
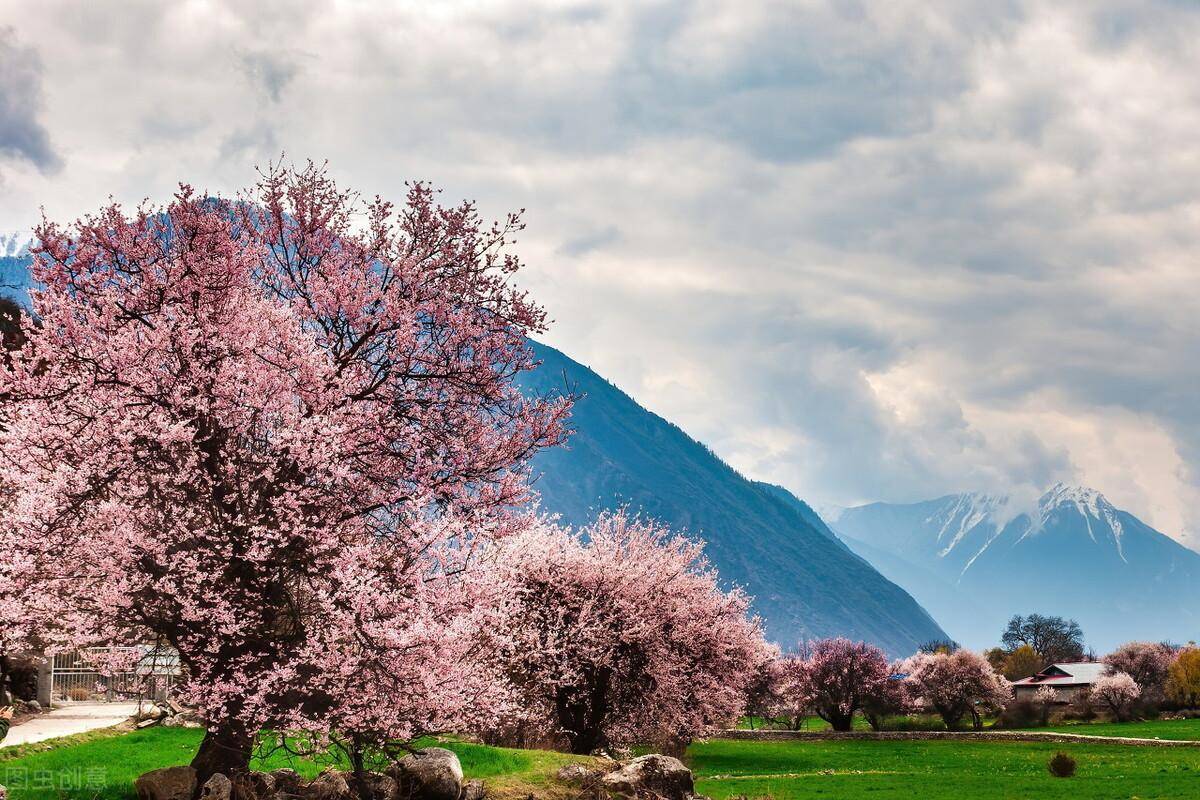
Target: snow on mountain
column 1071, row 553
column 15, row 280
column 15, row 244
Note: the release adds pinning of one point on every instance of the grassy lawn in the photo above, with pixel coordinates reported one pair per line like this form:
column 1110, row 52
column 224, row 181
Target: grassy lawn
column 104, row 765
column 1188, row 729
column 939, row 769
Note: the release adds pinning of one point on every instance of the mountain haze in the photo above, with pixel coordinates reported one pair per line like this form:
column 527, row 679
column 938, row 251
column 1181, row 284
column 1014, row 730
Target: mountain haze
column 806, row 583
column 974, row 560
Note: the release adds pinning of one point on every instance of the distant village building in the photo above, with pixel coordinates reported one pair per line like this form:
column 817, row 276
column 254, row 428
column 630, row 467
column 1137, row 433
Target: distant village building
column 1067, row 680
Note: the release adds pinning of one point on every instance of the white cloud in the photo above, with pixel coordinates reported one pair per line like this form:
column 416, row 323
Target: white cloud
column 870, row 251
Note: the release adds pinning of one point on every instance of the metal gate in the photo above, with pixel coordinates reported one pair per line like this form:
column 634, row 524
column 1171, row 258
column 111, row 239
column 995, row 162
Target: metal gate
column 109, row 674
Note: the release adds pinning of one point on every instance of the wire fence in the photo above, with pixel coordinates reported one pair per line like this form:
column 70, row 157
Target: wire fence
column 111, row 674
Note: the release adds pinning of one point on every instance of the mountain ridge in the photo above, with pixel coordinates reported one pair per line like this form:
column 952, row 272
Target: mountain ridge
column 806, row 582
column 1071, row 553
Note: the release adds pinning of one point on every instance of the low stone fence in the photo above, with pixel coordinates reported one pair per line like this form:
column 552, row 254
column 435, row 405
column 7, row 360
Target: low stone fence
column 982, row 736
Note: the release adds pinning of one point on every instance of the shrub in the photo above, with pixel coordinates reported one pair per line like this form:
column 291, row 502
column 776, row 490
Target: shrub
column 922, row 723
column 1019, row 714
column 1061, row 765
column 79, row 694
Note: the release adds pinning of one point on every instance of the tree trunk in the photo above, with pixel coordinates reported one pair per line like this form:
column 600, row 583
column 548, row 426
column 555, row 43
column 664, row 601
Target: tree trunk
column 226, row 750
column 838, row 720
column 582, row 711
column 359, row 769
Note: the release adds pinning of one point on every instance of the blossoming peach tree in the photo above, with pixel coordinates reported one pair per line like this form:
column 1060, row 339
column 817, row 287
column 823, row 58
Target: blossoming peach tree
column 269, row 432
column 840, row 677
column 619, row 633
column 956, row 685
column 1148, row 663
column 1116, row 693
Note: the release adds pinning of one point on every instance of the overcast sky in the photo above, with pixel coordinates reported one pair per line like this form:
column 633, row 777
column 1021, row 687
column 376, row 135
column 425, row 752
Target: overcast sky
column 870, row 251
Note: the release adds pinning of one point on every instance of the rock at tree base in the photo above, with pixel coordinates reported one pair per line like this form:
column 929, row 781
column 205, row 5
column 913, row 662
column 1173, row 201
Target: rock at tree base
column 218, row 787
column 577, row 775
column 378, row 786
column 285, row 781
column 430, row 774
column 653, row 774
column 329, row 785
column 264, row 784
column 170, row 783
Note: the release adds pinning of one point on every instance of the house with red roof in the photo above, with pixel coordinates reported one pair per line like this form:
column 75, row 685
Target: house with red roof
column 1067, row 680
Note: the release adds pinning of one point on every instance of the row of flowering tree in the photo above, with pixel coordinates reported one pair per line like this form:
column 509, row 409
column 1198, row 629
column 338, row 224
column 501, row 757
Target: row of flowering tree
column 281, row 434
column 836, row 679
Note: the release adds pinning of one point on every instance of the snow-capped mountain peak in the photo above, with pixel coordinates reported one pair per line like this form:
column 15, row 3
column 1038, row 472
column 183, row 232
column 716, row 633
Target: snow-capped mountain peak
column 1090, row 504
column 15, row 244
column 975, row 560
column 958, row 518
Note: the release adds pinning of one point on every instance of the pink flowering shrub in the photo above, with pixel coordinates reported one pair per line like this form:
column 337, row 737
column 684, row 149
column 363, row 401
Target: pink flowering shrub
column 619, row 633
column 250, row 432
column 955, row 685
column 1148, row 663
column 1116, row 694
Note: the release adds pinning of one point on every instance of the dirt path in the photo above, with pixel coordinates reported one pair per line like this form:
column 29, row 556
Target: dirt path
column 75, row 718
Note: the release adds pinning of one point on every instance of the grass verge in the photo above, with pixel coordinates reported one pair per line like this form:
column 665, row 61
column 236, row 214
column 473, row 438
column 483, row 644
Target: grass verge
column 102, row 765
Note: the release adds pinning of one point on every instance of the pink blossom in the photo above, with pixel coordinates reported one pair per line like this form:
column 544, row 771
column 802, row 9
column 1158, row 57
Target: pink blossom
column 839, row 677
column 619, row 633
column 1116, row 693
column 274, row 442
column 955, row 685
column 1148, row 663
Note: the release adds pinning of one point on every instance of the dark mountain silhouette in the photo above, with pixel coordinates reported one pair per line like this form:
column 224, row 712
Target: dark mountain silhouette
column 805, row 582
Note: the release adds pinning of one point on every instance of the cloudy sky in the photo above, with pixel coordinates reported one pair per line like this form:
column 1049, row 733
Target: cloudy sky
column 865, row 250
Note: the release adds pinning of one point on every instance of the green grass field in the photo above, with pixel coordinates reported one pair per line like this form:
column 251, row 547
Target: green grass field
column 938, row 769
column 104, row 765
column 1185, row 729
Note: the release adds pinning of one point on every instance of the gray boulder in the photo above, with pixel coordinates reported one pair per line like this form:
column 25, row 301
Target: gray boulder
column 577, row 775
column 218, row 787
column 653, row 774
column 430, row 774
column 285, row 781
column 378, row 786
column 263, row 784
column 474, row 790
column 3, row 792
column 169, row 783
column 329, row 785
